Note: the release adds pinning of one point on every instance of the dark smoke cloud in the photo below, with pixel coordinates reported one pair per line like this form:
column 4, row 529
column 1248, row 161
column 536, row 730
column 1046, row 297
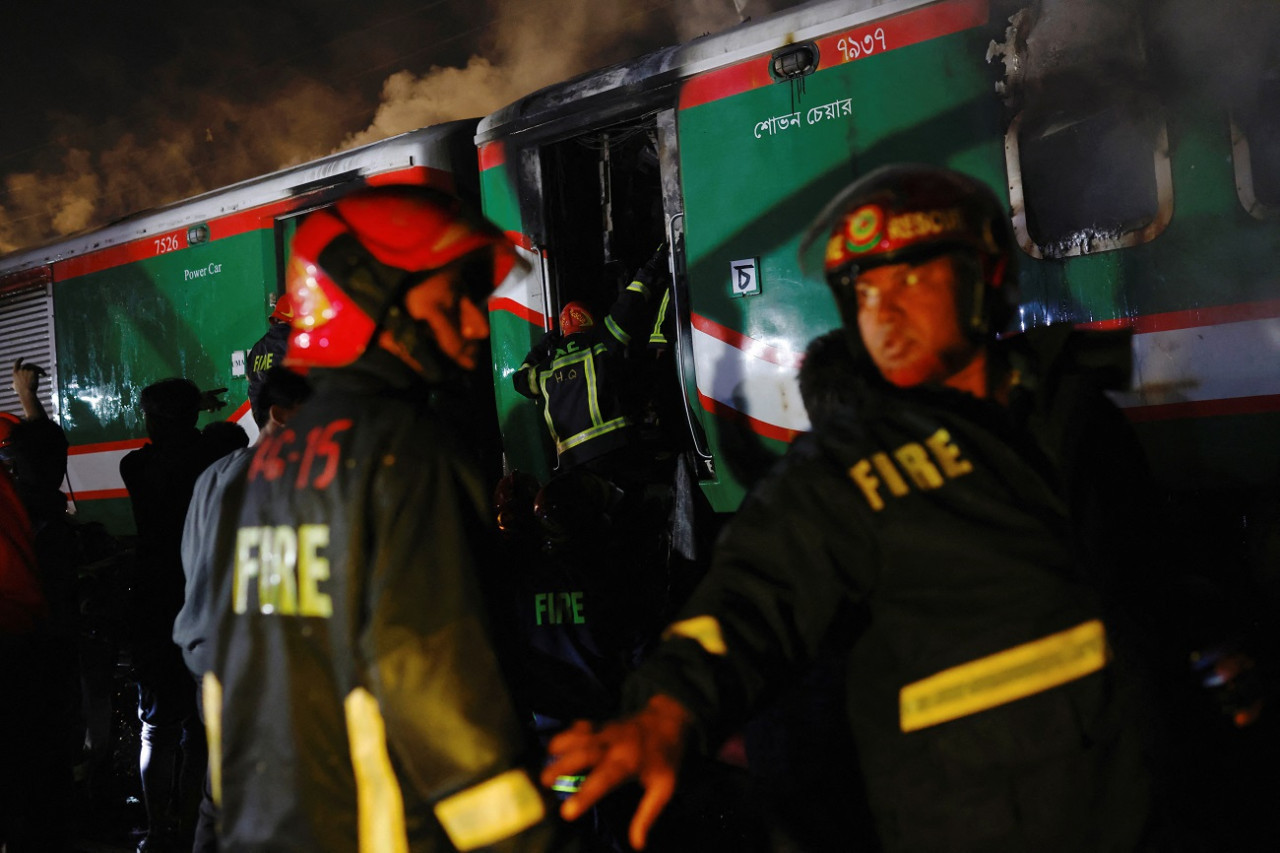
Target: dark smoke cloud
column 246, row 88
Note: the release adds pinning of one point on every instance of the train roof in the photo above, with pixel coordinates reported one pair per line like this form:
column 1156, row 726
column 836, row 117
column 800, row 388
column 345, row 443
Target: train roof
column 428, row 146
column 640, row 83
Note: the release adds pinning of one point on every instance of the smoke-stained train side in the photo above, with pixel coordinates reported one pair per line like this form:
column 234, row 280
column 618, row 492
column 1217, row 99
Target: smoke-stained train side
column 1144, row 194
column 182, row 290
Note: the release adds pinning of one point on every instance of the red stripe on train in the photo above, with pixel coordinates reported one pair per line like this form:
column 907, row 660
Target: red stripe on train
column 764, row 428
column 751, row 346
column 881, row 36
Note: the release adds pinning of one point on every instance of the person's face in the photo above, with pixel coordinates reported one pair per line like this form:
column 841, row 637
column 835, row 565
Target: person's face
column 459, row 325
column 909, row 325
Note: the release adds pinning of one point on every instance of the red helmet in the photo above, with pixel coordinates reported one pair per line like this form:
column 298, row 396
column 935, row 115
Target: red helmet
column 575, row 317
column 7, row 423
column 283, row 310
column 351, row 263
column 912, row 213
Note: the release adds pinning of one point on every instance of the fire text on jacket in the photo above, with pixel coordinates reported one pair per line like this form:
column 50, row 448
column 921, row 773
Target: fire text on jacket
column 279, row 570
column 926, row 466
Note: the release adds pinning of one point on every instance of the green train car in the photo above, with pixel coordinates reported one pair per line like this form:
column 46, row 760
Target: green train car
column 182, row 290
column 1142, row 173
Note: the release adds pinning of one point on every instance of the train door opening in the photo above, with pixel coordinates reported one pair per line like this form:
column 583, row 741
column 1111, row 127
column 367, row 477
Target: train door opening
column 610, row 199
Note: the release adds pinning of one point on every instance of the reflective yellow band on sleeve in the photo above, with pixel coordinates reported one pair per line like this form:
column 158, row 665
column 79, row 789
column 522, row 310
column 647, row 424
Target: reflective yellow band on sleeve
column 568, row 784
column 704, row 630
column 379, row 803
column 211, row 702
column 1004, row 676
column 491, row 811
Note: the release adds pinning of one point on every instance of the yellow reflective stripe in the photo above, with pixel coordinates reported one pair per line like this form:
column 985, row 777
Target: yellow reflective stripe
column 1004, row 676
column 380, row 807
column 211, row 700
column 590, row 433
column 491, row 811
column 656, row 336
column 704, row 630
column 638, row 286
column 593, row 390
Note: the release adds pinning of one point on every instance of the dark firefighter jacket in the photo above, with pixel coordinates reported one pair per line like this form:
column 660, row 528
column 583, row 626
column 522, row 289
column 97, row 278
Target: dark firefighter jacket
column 579, row 379
column 932, row 529
column 268, row 352
column 355, row 700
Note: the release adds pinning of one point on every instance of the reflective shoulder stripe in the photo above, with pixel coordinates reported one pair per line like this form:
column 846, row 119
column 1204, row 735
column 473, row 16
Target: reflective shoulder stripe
column 704, row 630
column 1004, row 676
column 211, row 700
column 491, row 811
column 380, row 806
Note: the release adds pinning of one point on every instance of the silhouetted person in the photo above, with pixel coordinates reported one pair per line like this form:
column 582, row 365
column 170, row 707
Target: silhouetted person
column 34, row 450
column 159, row 477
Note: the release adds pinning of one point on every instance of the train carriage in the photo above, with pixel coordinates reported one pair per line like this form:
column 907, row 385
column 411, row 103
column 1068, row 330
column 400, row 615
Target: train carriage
column 182, row 290
column 1140, row 194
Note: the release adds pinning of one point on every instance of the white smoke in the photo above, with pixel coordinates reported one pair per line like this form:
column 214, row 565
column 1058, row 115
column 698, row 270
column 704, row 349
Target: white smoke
column 221, row 139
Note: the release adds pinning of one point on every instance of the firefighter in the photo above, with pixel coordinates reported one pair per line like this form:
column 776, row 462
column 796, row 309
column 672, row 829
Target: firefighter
column 268, row 352
column 577, row 376
column 354, row 699
column 924, row 524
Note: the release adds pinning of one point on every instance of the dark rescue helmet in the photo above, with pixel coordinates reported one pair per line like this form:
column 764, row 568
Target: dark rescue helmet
column 574, row 507
column 351, row 264
column 575, row 317
column 912, row 213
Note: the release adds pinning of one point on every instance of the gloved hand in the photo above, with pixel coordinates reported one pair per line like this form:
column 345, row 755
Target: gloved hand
column 655, row 268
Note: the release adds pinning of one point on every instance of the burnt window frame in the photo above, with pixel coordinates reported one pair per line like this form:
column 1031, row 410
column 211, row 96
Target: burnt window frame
column 1163, row 177
column 1242, row 166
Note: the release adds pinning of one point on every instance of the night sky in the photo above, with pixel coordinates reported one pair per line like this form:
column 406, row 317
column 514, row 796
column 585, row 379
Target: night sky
column 111, row 108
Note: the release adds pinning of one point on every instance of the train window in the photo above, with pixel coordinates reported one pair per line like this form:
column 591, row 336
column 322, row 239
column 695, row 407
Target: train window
column 1087, row 181
column 1255, row 137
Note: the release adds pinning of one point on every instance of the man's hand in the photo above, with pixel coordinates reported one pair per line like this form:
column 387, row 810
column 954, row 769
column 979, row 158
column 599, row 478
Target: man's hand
column 647, row 746
column 26, row 384
column 209, row 401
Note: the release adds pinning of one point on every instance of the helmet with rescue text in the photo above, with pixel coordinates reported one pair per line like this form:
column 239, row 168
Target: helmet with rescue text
column 403, row 268
column 912, row 214
column 575, row 317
